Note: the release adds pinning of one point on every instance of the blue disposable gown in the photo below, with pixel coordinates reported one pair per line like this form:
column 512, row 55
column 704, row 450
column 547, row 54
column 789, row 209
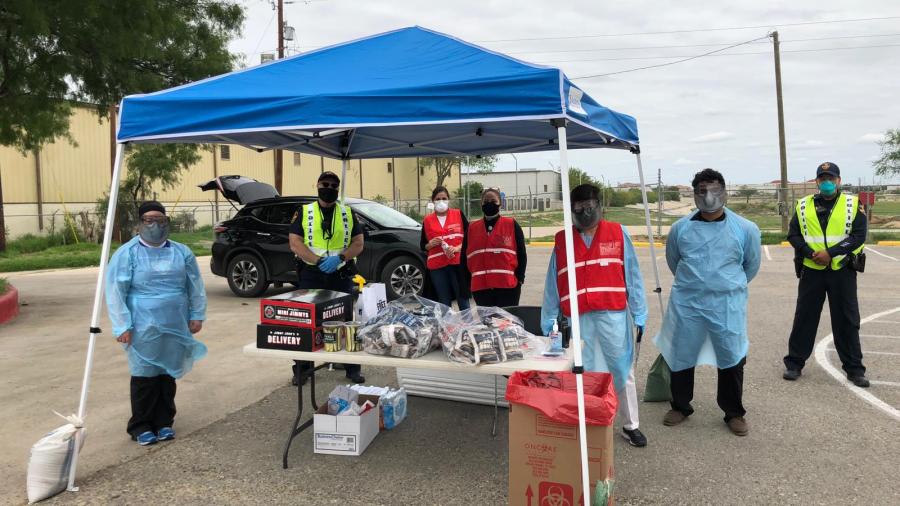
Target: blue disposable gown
column 606, row 335
column 706, row 320
column 154, row 293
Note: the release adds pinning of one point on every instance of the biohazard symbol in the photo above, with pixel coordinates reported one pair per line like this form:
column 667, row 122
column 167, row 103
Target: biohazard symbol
column 555, row 494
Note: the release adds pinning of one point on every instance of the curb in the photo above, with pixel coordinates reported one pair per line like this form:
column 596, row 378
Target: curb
column 888, row 243
column 9, row 305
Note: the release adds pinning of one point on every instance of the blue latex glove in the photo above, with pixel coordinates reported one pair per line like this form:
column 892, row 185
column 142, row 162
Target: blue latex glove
column 329, row 264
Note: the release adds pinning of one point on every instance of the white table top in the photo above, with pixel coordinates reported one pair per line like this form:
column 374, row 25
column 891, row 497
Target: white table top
column 435, row 360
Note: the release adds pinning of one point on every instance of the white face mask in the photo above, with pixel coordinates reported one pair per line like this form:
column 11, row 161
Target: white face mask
column 441, row 206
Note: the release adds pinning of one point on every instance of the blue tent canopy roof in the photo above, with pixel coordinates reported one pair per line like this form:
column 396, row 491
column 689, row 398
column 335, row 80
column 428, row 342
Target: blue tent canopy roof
column 409, row 92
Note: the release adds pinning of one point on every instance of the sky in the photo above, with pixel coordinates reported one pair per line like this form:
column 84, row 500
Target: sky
column 716, row 111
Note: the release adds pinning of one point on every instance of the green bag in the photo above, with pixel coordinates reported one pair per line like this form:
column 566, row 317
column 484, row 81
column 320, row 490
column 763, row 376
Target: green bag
column 603, row 493
column 659, row 382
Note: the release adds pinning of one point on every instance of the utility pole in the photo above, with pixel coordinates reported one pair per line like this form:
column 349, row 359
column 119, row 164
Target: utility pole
column 279, row 168
column 783, row 205
column 659, row 199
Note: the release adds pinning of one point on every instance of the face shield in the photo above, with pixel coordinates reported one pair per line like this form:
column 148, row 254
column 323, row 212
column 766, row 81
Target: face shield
column 710, row 197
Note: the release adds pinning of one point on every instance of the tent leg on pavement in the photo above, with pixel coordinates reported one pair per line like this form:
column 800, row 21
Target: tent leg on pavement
column 98, row 304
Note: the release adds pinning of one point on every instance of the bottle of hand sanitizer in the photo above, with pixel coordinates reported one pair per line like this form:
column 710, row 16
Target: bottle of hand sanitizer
column 555, row 341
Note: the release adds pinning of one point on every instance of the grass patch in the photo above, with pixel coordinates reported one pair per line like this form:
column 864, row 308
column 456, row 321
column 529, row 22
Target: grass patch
column 62, row 256
column 874, row 237
column 4, row 286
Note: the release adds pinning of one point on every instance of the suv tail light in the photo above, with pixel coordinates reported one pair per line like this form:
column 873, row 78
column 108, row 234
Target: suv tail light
column 219, row 228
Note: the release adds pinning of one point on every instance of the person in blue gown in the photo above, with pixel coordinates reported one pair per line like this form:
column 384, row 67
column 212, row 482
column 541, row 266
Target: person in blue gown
column 156, row 303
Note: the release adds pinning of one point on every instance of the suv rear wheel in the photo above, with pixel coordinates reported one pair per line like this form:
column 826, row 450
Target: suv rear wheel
column 403, row 276
column 247, row 276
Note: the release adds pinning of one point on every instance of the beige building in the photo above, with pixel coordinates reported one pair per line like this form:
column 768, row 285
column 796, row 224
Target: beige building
column 69, row 177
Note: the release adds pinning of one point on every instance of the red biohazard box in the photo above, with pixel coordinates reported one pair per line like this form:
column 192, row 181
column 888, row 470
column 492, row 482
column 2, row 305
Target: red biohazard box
column 305, row 308
column 544, row 447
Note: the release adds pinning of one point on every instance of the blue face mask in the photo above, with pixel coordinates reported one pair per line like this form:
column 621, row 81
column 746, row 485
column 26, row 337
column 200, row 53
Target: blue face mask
column 154, row 233
column 827, row 188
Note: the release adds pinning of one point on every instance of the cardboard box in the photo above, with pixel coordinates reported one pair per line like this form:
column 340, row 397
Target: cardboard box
column 545, row 460
column 306, row 308
column 345, row 435
column 282, row 337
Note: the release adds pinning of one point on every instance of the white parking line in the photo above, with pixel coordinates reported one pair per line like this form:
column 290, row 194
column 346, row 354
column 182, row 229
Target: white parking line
column 822, row 359
column 768, row 255
column 871, row 352
column 886, row 383
column 880, row 336
column 882, row 254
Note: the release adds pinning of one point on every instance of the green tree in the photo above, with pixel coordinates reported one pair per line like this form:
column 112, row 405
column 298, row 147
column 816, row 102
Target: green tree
column 747, row 192
column 151, row 167
column 578, row 176
column 54, row 52
column 443, row 165
column 889, row 162
column 473, row 190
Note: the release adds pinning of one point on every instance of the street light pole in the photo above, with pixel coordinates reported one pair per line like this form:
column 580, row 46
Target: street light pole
column 279, row 163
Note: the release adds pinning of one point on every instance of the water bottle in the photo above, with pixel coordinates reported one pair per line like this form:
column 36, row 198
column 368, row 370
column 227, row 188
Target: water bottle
column 446, row 248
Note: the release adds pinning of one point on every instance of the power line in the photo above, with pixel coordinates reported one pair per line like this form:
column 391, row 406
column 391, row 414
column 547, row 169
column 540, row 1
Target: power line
column 718, row 55
column 696, row 45
column 771, row 25
column 673, row 62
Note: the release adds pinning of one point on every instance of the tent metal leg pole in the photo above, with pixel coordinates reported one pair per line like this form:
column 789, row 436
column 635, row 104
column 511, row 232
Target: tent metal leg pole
column 573, row 303
column 658, row 289
column 98, row 299
column 344, row 177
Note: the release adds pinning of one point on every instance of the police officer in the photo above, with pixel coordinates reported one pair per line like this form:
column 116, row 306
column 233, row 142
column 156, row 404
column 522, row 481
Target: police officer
column 325, row 239
column 827, row 233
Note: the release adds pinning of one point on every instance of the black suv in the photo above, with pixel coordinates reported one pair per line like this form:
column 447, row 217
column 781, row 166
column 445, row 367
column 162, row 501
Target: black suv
column 251, row 249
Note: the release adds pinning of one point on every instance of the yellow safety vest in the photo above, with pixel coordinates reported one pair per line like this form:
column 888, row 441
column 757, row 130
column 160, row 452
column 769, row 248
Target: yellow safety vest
column 840, row 222
column 314, row 237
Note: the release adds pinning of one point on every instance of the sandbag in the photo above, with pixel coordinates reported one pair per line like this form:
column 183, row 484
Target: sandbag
column 51, row 459
column 659, row 381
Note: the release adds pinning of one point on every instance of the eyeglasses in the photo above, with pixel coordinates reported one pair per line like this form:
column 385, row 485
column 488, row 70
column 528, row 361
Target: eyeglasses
column 325, row 184
column 149, row 220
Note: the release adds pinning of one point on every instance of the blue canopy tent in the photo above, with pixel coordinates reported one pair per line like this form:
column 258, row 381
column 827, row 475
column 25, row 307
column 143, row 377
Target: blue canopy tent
column 408, row 92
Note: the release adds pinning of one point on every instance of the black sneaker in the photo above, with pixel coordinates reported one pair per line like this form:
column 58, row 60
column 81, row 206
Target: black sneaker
column 295, row 380
column 791, row 374
column 357, row 378
column 634, row 437
column 860, row 381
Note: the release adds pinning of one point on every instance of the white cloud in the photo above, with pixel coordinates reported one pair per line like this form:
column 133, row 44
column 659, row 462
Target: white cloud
column 714, row 137
column 871, row 138
column 684, row 161
column 809, row 144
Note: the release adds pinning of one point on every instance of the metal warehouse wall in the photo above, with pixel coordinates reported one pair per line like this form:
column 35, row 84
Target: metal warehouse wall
column 73, row 174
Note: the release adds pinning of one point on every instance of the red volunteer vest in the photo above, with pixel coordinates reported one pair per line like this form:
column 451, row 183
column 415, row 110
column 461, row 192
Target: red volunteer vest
column 492, row 257
column 452, row 232
column 599, row 270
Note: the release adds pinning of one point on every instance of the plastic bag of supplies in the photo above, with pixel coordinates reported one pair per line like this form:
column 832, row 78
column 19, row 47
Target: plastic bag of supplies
column 408, row 327
column 51, row 459
column 489, row 335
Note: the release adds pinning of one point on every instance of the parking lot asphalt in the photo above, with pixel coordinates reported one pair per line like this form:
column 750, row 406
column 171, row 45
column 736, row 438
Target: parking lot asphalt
column 815, row 441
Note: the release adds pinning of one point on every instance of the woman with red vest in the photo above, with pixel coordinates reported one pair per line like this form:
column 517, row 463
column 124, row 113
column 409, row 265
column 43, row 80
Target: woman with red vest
column 443, row 239
column 495, row 255
column 610, row 299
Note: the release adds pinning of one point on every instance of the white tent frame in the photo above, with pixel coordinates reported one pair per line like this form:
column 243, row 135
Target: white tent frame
column 578, row 369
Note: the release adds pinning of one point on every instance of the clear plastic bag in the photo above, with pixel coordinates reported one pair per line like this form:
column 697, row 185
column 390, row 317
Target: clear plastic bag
column 408, row 327
column 488, row 335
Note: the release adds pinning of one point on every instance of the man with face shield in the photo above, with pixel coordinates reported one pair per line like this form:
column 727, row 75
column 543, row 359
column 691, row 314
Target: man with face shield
column 325, row 239
column 713, row 254
column 611, row 299
column 827, row 233
column 156, row 301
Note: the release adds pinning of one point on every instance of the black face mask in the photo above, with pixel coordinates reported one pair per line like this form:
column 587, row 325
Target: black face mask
column 490, row 209
column 328, row 195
